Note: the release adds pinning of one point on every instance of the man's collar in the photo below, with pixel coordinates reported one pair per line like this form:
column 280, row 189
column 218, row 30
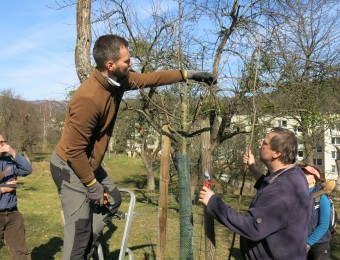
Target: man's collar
column 112, row 82
column 270, row 177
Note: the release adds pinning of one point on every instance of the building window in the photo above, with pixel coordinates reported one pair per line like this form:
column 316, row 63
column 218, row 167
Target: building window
column 300, row 154
column 319, row 149
column 282, row 123
column 318, row 162
column 297, row 129
column 333, row 169
column 335, row 127
column 334, row 154
column 335, row 140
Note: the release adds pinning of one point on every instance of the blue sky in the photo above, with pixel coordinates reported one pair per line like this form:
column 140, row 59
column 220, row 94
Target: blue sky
column 37, row 49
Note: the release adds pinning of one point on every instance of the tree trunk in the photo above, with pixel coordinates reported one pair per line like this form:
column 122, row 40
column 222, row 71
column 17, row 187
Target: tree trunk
column 337, row 162
column 148, row 162
column 150, row 174
column 84, row 39
column 309, row 153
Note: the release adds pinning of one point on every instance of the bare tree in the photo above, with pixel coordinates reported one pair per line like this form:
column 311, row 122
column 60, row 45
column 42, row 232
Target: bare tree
column 19, row 121
column 84, row 39
column 337, row 163
column 303, row 57
column 51, row 114
column 151, row 44
column 8, row 103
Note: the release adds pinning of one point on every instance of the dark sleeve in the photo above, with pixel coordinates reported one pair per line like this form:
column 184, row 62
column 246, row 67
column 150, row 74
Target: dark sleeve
column 268, row 215
column 259, row 182
column 22, row 166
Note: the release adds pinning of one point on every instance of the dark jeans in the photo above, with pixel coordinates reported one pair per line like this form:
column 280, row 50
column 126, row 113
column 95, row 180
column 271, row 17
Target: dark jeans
column 319, row 252
column 12, row 231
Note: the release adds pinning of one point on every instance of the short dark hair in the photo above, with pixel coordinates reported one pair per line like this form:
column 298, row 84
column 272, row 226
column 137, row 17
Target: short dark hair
column 284, row 142
column 107, row 47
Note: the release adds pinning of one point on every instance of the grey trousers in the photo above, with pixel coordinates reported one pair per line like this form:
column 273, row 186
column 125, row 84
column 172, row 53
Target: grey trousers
column 83, row 220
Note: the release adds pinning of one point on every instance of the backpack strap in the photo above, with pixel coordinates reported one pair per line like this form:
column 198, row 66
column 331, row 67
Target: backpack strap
column 317, row 199
column 317, row 202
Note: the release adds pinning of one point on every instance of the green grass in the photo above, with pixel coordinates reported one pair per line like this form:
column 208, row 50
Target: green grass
column 39, row 203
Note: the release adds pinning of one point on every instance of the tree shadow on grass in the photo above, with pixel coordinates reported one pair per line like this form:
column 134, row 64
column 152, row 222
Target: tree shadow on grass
column 138, row 181
column 152, row 200
column 111, row 228
column 48, row 250
column 152, row 255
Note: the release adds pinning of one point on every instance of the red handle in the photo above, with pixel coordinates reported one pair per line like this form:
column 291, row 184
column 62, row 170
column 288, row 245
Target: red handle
column 208, row 183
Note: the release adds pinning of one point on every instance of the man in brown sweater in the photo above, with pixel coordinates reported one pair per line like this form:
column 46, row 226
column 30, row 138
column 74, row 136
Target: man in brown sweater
column 76, row 163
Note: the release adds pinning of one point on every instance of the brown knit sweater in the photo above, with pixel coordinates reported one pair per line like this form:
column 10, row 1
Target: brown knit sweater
column 91, row 116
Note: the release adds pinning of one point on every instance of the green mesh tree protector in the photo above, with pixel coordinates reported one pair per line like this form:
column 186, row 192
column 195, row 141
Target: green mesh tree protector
column 185, row 208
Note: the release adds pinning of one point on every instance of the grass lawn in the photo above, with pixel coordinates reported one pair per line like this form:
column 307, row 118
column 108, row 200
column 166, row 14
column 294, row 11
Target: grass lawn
column 39, row 203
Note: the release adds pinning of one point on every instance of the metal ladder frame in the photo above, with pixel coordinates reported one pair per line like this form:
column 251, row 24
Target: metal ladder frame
column 123, row 248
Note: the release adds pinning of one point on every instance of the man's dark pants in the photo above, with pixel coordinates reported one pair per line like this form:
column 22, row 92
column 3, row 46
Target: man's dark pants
column 12, row 231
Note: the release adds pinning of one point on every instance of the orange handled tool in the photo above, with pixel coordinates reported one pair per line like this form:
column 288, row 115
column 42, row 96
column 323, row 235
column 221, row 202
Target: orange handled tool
column 208, row 182
column 106, row 198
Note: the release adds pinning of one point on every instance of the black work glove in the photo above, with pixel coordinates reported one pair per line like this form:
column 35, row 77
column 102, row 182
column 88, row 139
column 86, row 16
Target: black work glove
column 95, row 192
column 200, row 76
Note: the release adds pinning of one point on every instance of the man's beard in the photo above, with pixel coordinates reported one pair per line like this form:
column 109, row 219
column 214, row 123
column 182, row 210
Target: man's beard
column 121, row 74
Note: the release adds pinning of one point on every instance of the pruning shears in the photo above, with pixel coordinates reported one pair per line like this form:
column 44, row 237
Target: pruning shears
column 2, row 175
column 208, row 182
column 4, row 172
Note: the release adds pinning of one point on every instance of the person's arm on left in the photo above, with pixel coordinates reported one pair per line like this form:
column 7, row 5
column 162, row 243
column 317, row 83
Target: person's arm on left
column 324, row 218
column 21, row 166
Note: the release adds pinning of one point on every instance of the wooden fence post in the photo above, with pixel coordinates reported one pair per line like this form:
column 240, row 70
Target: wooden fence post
column 209, row 228
column 163, row 193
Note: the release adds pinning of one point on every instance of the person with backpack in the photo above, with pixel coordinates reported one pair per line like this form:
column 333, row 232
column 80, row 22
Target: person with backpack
column 319, row 236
